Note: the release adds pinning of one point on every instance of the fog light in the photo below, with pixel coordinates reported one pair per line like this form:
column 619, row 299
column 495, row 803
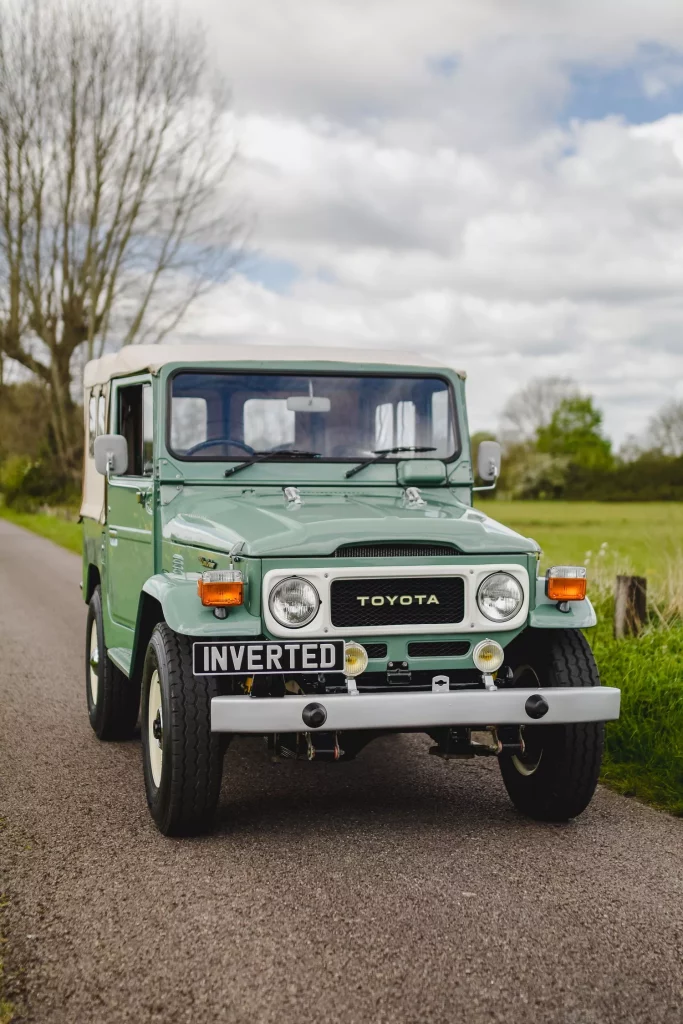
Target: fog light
column 488, row 656
column 566, row 583
column 221, row 589
column 355, row 659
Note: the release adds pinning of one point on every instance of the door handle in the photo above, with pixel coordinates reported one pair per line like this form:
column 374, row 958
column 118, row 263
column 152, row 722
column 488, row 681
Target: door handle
column 113, row 532
column 142, row 497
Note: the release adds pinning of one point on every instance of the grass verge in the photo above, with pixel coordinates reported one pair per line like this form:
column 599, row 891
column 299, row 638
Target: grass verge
column 644, row 748
column 56, row 527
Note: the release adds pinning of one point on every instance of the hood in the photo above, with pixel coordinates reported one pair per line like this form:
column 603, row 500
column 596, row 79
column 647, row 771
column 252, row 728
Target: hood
column 266, row 525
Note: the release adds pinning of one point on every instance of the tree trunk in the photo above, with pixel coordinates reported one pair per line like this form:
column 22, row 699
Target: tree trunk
column 65, row 417
column 630, row 606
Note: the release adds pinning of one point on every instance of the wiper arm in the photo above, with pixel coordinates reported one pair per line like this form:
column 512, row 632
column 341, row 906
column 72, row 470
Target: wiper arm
column 282, row 453
column 381, row 453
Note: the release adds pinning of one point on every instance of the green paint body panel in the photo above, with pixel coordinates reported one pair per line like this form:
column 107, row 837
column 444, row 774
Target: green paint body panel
column 159, row 528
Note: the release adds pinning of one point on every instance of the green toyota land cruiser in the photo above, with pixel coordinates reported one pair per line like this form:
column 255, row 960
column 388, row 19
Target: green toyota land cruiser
column 282, row 542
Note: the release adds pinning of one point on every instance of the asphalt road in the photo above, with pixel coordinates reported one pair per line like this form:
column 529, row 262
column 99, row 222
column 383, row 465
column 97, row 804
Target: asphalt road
column 395, row 888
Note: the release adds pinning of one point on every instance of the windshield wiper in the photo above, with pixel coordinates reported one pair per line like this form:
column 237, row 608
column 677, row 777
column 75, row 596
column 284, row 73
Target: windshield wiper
column 380, row 453
column 281, row 453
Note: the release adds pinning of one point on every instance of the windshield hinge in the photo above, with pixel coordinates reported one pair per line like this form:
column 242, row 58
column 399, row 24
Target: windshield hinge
column 167, row 492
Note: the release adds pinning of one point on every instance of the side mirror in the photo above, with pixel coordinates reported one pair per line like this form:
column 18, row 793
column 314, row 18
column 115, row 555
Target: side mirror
column 111, row 454
column 488, row 461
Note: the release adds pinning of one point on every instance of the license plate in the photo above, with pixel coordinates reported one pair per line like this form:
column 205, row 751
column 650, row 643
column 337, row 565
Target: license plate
column 238, row 659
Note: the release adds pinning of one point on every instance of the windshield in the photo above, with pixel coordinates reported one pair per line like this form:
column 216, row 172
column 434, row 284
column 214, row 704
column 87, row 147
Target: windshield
column 230, row 416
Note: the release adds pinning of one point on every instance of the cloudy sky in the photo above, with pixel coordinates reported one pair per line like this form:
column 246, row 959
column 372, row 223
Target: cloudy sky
column 498, row 183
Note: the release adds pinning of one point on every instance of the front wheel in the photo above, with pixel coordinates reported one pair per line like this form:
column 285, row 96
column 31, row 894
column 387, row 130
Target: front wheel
column 183, row 759
column 555, row 778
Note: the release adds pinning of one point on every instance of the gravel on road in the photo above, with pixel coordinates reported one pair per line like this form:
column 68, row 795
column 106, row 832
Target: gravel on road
column 394, row 888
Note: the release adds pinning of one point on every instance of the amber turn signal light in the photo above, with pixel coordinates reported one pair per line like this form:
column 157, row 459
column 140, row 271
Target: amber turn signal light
column 221, row 589
column 566, row 583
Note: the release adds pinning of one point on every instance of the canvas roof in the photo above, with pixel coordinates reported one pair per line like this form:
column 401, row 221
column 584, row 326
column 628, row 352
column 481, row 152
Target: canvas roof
column 139, row 358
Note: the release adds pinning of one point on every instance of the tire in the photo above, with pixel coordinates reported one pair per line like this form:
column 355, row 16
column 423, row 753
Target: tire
column 555, row 778
column 182, row 758
column 113, row 700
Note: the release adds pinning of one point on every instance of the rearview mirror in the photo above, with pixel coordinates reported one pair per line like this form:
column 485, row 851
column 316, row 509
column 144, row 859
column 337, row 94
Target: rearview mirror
column 111, row 454
column 299, row 403
column 488, row 461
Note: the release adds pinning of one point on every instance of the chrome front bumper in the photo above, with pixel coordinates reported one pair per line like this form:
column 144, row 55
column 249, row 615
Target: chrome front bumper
column 414, row 710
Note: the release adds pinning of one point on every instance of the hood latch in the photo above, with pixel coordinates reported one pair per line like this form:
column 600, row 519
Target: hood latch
column 292, row 496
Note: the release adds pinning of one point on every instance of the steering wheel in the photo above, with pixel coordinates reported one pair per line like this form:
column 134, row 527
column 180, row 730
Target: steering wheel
column 211, row 441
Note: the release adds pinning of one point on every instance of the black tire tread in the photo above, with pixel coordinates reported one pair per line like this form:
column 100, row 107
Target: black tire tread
column 196, row 753
column 575, row 750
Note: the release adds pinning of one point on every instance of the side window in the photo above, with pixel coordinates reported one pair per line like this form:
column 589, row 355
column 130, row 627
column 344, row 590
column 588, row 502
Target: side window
column 92, row 423
column 189, row 422
column 384, row 426
column 147, row 431
column 395, row 425
column 268, row 423
column 405, row 423
column 101, row 415
column 442, row 424
column 135, row 423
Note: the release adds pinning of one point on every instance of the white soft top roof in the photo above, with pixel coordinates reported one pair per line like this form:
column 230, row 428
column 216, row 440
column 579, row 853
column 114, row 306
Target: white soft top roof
column 139, row 358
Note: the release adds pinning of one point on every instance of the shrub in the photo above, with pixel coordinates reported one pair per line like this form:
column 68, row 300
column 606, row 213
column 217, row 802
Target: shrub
column 26, row 484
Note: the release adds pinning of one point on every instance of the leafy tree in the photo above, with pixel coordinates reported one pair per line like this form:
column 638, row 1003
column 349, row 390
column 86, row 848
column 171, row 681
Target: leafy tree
column 575, row 432
column 532, row 407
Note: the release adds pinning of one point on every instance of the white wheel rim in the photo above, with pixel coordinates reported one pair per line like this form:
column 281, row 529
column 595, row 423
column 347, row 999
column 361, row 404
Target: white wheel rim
column 94, row 663
column 523, row 767
column 526, row 769
column 155, row 731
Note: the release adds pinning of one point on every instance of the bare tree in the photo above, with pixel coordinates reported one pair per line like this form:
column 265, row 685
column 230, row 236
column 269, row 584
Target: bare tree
column 114, row 150
column 665, row 429
column 532, row 407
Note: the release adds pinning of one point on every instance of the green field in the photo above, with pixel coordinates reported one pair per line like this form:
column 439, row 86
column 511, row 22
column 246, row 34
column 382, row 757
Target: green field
column 641, row 536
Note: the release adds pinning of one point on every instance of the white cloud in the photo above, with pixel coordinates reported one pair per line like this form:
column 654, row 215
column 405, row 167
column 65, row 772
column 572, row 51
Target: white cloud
column 444, row 206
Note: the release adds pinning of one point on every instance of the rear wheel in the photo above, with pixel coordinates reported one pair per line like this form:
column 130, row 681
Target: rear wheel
column 183, row 759
column 113, row 700
column 555, row 778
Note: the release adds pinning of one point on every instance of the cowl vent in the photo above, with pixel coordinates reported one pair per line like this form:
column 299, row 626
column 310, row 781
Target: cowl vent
column 394, row 550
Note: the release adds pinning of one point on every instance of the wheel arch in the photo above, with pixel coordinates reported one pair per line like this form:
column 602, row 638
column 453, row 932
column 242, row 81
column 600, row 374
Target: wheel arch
column 150, row 613
column 92, row 580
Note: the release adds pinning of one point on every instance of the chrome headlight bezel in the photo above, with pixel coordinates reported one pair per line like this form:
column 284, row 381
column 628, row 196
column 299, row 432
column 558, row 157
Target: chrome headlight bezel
column 315, row 603
column 500, row 617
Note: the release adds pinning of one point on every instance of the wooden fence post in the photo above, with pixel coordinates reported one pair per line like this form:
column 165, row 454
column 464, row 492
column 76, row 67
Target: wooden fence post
column 630, row 606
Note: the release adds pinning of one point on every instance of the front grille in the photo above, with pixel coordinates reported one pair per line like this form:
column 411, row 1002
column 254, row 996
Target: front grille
column 376, row 650
column 438, row 648
column 397, row 601
column 389, row 550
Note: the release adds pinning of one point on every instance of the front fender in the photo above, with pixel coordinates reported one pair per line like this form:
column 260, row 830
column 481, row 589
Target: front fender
column 546, row 614
column 184, row 612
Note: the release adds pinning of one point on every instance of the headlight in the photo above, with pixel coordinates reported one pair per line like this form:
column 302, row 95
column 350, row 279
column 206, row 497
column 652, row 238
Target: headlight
column 500, row 597
column 294, row 602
